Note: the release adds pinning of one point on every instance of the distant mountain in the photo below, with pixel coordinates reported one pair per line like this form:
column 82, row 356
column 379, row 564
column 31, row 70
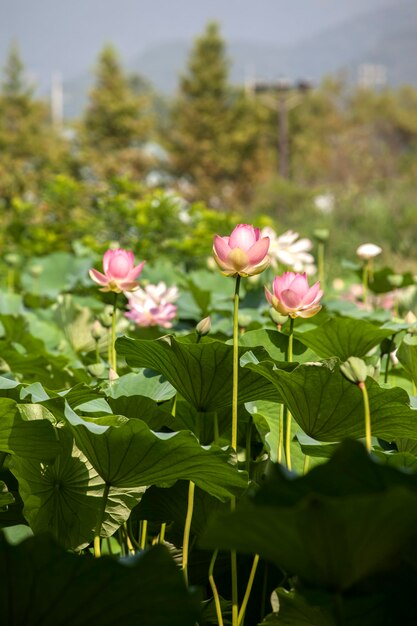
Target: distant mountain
column 385, row 37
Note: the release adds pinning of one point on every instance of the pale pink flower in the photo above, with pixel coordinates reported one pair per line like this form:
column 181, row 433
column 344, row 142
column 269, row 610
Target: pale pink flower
column 244, row 253
column 120, row 272
column 152, row 305
column 292, row 295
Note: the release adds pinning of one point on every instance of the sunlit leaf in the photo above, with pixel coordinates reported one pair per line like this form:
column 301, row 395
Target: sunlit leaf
column 202, row 373
column 126, row 453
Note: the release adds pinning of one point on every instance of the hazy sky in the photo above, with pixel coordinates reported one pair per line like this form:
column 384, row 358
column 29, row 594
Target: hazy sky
column 66, row 35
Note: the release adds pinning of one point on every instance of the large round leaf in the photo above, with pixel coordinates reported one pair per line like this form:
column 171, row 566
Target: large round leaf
column 35, row 439
column 202, row 373
column 330, row 408
column 126, row 453
column 331, row 534
column 49, row 586
column 343, row 337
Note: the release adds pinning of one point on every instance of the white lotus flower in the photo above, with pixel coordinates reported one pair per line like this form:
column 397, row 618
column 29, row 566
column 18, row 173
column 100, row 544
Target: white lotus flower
column 368, row 251
column 289, row 250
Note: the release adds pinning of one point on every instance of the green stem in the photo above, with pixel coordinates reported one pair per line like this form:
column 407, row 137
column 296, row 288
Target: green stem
column 367, row 411
column 214, row 589
column 264, row 590
column 109, row 548
column 10, row 280
column 414, row 388
column 290, row 341
column 129, row 544
column 143, row 534
column 281, row 433
column 132, row 534
column 248, row 589
column 235, row 597
column 288, row 414
column 235, row 363
column 365, row 278
column 320, row 263
column 233, row 555
column 109, row 347
column 388, row 360
column 249, row 445
column 97, row 546
column 162, row 533
column 306, row 464
column 187, row 529
column 97, row 352
column 113, row 336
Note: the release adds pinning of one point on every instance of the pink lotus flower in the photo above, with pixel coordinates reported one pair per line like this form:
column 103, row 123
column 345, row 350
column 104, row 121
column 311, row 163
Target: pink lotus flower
column 292, row 296
column 244, row 253
column 152, row 305
column 120, row 272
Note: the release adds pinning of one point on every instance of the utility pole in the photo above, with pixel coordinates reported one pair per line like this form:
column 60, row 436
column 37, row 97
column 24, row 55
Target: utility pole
column 57, row 102
column 287, row 98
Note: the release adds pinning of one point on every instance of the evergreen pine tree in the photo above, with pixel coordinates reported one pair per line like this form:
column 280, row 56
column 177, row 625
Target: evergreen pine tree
column 215, row 141
column 117, row 121
column 29, row 148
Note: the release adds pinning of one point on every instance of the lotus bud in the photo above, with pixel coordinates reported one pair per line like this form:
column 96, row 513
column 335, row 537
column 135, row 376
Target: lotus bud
column 355, row 370
column 321, row 234
column 113, row 375
column 395, row 280
column 106, row 317
column 276, row 317
column 97, row 331
column 12, row 259
column 35, row 270
column 203, row 327
column 96, row 369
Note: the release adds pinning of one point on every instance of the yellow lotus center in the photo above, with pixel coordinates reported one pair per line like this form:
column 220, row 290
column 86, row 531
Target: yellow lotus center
column 238, row 259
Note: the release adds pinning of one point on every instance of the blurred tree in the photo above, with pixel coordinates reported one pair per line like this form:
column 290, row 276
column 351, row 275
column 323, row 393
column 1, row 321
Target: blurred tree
column 117, row 122
column 30, row 150
column 216, row 139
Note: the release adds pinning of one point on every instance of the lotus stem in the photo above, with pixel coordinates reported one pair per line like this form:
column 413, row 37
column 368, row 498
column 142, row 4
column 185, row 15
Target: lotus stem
column 162, row 533
column 365, row 280
column 280, row 434
column 248, row 589
column 367, row 411
column 214, row 589
column 320, row 263
column 288, row 414
column 97, row 542
column 143, row 534
column 113, row 336
column 235, row 597
column 235, row 363
column 187, row 530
